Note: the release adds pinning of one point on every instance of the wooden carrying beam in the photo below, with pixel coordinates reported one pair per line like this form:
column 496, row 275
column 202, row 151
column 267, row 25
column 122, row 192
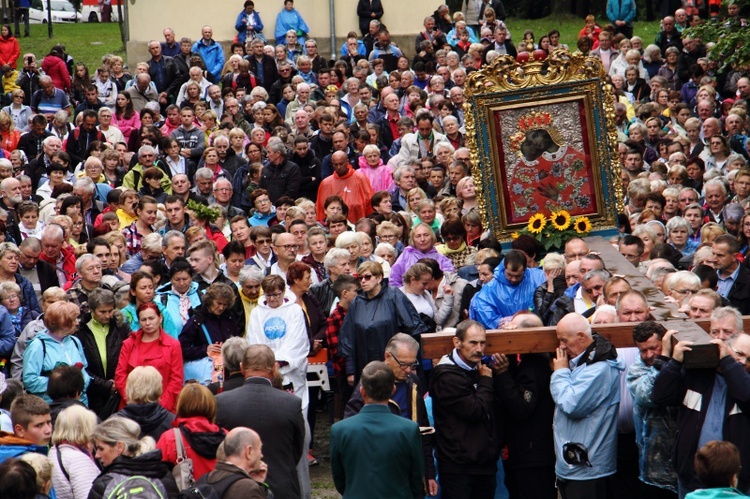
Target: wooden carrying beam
column 544, row 340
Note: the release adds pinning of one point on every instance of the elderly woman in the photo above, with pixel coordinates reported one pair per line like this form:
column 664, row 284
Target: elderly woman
column 249, row 283
column 372, row 318
column 211, row 324
column 279, row 322
column 389, row 233
column 232, row 352
column 151, row 346
column 678, row 236
column 351, row 242
column 120, row 452
column 9, row 259
column 648, row 236
column 680, row 286
column 103, row 329
column 421, row 245
column 264, row 209
column 10, row 298
column 718, row 152
column 455, row 247
column 371, row 166
column 195, row 425
column 466, row 192
column 55, row 346
column 144, row 389
column 74, row 469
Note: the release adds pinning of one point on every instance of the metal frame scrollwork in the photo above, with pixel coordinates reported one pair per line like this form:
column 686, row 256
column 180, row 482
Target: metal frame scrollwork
column 509, row 83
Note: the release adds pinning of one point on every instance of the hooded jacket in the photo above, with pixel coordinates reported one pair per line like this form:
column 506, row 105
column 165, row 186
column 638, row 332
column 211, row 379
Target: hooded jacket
column 310, row 168
column 43, row 353
column 149, row 465
column 380, row 177
column 587, row 399
column 152, row 418
column 213, row 56
column 499, row 298
column 354, row 189
column 171, row 303
column 13, row 446
column 200, row 438
column 371, row 322
column 284, row 330
column 260, row 220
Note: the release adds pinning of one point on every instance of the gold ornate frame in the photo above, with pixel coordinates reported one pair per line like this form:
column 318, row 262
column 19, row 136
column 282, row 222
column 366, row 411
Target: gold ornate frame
column 538, row 89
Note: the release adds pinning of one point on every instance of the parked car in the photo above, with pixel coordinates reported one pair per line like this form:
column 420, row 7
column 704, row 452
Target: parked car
column 62, row 12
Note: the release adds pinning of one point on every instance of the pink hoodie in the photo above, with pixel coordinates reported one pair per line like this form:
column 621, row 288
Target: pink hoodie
column 380, row 177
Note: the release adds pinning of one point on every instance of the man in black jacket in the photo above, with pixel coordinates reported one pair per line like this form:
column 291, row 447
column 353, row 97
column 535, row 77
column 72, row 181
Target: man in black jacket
column 368, row 10
column 82, row 137
column 699, row 417
column 263, row 66
column 276, row 416
column 734, row 279
column 467, row 418
column 408, row 400
column 164, row 72
column 40, row 274
column 280, row 177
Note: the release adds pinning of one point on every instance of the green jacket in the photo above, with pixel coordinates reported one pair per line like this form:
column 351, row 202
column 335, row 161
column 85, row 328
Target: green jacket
column 372, row 445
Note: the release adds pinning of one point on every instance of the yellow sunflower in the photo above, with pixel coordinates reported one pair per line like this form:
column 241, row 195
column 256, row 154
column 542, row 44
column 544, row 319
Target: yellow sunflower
column 560, row 220
column 515, row 235
column 582, row 225
column 537, row 223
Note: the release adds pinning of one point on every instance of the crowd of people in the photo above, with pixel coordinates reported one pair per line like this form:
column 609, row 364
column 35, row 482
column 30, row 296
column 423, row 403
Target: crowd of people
column 214, row 223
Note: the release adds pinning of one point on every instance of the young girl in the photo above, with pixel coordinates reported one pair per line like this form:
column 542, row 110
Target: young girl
column 78, row 236
column 106, row 87
column 30, row 226
column 152, row 184
column 142, row 226
column 125, row 118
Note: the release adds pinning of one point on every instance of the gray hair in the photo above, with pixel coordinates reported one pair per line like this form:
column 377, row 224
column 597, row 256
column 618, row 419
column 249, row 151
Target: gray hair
column 232, row 352
column 400, row 171
column 602, row 274
column 53, row 230
column 275, row 146
column 401, row 339
column 203, row 174
column 171, row 235
column 152, row 242
column 99, row 297
column 334, row 255
column 676, row 223
column 87, row 184
column 251, row 273
column 146, row 149
column 721, row 313
column 83, row 259
column 685, row 278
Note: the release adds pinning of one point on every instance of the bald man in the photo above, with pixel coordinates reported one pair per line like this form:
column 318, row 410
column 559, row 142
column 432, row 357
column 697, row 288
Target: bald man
column 585, row 388
column 242, row 473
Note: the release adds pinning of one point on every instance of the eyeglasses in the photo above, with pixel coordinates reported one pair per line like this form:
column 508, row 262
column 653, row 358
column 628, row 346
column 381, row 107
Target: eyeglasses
column 365, row 277
column 387, row 237
column 262, row 241
column 10, row 296
column 404, row 366
column 741, row 355
column 685, row 291
column 453, row 238
column 289, row 247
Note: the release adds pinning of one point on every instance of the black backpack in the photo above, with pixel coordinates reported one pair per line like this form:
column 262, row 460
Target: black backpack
column 203, row 490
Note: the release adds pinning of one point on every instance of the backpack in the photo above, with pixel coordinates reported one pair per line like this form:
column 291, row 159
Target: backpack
column 203, row 490
column 134, row 487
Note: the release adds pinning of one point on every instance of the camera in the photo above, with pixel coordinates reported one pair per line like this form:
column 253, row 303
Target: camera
column 29, row 60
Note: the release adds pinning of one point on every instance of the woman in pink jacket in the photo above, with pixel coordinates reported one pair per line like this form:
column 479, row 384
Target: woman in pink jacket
column 371, row 166
column 54, row 66
column 125, row 118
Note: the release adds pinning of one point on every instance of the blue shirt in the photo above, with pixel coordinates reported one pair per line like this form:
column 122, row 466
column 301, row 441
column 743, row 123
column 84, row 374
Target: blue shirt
column 713, row 425
column 725, row 283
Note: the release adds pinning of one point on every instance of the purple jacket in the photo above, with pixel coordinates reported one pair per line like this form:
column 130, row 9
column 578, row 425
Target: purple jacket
column 409, row 257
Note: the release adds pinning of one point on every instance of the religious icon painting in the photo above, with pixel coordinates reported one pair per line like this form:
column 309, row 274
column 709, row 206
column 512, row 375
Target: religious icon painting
column 539, row 133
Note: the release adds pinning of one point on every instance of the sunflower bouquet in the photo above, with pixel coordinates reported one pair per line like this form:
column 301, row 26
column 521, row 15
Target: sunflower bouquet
column 555, row 230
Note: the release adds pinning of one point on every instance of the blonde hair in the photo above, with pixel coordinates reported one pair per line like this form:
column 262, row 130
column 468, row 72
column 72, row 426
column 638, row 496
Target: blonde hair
column 9, row 287
column 43, row 467
column 144, row 385
column 553, row 261
column 120, row 429
column 75, row 424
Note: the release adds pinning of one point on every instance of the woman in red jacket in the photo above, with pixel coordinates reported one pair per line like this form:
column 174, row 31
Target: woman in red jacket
column 10, row 51
column 196, row 412
column 151, row 346
column 54, row 66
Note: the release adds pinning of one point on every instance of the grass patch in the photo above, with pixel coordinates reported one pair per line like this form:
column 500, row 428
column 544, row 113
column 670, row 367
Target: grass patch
column 85, row 42
column 569, row 27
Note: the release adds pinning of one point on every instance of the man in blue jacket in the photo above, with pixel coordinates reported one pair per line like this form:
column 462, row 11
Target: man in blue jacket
column 211, row 53
column 510, row 291
column 585, row 387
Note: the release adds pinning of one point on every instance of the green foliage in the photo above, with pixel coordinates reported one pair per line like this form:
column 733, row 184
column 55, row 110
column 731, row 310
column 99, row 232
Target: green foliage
column 731, row 49
column 203, row 212
column 85, row 42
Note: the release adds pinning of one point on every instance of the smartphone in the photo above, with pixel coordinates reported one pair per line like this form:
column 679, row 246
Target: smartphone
column 488, row 360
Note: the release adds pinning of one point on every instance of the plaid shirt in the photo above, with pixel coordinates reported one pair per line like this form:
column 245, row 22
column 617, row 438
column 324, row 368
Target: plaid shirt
column 78, row 296
column 335, row 320
column 133, row 239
